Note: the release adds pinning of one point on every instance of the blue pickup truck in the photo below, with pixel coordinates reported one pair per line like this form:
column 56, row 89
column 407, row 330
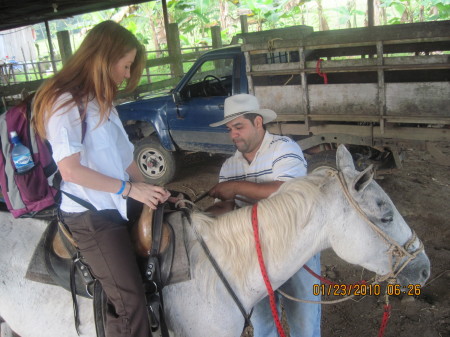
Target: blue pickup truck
column 363, row 87
column 178, row 121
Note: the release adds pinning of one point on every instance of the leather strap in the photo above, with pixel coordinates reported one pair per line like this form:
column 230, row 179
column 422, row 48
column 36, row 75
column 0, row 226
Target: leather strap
column 153, row 272
column 219, row 271
column 74, row 297
column 99, row 309
column 157, row 226
column 84, row 203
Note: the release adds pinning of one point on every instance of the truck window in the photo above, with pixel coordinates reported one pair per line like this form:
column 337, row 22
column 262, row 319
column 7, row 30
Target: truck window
column 212, row 78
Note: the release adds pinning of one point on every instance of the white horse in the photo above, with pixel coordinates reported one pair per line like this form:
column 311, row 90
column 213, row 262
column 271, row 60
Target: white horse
column 353, row 216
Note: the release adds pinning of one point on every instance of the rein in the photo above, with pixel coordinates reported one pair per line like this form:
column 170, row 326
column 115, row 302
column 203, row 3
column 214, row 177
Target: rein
column 395, row 250
column 219, row 271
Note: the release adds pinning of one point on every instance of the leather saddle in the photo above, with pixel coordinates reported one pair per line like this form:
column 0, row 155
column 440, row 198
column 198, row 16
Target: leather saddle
column 150, row 236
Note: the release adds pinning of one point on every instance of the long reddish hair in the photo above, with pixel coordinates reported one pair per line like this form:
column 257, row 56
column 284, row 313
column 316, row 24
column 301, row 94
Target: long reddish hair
column 87, row 74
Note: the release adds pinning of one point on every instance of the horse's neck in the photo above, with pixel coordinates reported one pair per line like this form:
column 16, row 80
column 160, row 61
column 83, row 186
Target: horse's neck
column 289, row 239
column 310, row 241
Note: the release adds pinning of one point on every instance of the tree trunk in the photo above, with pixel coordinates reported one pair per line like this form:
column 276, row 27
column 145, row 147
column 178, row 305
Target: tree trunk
column 323, row 24
column 224, row 14
column 380, row 14
column 156, row 43
column 350, row 7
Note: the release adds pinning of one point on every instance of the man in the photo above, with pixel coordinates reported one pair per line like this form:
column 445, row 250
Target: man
column 259, row 167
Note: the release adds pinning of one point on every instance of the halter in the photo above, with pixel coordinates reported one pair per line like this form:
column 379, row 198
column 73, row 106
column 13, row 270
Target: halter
column 395, row 250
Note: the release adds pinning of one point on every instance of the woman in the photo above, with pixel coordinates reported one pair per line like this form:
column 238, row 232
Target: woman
column 99, row 168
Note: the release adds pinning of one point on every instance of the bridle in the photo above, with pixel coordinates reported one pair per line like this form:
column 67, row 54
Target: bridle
column 402, row 254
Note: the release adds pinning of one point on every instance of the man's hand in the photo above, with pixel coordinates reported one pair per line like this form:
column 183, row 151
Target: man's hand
column 221, row 207
column 224, row 191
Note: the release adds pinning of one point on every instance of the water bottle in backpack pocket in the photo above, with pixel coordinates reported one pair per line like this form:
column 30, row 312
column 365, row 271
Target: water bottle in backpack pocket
column 20, row 154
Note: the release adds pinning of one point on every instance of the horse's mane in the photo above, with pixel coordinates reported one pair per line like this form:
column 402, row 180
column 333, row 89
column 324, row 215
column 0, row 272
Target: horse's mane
column 230, row 236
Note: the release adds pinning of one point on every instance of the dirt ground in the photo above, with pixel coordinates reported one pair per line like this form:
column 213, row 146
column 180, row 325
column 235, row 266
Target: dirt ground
column 421, row 193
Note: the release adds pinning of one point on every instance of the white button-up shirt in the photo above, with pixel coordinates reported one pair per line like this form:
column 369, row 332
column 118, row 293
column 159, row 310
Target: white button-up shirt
column 106, row 149
column 278, row 158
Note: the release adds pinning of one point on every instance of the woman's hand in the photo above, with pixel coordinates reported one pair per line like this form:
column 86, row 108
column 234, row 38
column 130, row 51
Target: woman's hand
column 148, row 194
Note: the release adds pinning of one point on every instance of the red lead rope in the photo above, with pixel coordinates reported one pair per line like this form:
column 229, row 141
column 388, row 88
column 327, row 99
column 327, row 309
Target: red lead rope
column 384, row 322
column 273, row 305
column 321, row 74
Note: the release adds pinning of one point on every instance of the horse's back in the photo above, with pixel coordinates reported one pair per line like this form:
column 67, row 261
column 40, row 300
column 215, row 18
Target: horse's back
column 32, row 308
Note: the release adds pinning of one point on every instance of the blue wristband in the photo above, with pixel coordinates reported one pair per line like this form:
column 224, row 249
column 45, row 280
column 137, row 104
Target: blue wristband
column 122, row 187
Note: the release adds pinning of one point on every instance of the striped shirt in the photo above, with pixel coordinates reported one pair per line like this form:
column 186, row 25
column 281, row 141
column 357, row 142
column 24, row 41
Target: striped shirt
column 278, row 158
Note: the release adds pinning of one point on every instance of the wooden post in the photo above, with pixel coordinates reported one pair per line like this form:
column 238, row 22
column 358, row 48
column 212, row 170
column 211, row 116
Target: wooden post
column 174, row 46
column 50, row 45
column 217, row 43
column 304, row 87
column 65, row 49
column 381, row 86
column 166, row 19
column 370, row 13
column 24, row 64
column 216, row 37
column 244, row 23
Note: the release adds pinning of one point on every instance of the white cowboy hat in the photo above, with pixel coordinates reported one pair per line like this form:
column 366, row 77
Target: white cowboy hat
column 241, row 104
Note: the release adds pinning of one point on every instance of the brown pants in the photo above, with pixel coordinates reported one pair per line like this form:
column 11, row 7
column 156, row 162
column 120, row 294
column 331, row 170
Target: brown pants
column 104, row 241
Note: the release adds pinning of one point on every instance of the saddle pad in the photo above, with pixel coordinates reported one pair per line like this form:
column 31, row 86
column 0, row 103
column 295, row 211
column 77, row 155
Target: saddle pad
column 37, row 270
column 180, row 271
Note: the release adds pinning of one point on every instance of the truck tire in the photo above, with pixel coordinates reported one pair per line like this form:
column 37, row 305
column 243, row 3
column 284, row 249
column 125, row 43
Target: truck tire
column 156, row 163
column 324, row 159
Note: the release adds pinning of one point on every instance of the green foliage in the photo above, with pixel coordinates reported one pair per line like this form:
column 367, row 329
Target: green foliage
column 195, row 17
column 412, row 10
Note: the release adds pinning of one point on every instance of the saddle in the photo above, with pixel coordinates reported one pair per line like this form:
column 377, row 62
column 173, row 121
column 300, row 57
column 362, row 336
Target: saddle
column 59, row 249
column 155, row 244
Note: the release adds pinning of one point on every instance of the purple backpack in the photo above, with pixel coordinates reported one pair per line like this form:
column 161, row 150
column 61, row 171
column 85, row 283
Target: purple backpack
column 36, row 192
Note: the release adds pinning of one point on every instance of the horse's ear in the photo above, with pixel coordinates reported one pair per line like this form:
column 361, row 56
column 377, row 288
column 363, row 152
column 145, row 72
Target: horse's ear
column 363, row 179
column 344, row 159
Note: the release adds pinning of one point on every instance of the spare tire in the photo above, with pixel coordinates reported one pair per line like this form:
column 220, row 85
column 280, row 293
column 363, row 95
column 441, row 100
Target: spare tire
column 324, row 159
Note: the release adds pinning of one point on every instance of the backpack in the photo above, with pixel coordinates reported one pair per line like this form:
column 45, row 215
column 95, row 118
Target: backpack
column 34, row 193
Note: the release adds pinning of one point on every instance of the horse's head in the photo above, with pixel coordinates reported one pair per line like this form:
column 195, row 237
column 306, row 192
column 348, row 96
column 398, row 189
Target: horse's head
column 380, row 239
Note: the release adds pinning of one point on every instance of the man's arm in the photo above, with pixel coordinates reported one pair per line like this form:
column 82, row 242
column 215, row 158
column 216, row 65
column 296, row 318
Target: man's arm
column 228, row 190
column 246, row 191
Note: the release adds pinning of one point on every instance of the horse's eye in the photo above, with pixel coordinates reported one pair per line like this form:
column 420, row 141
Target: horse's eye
column 387, row 219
